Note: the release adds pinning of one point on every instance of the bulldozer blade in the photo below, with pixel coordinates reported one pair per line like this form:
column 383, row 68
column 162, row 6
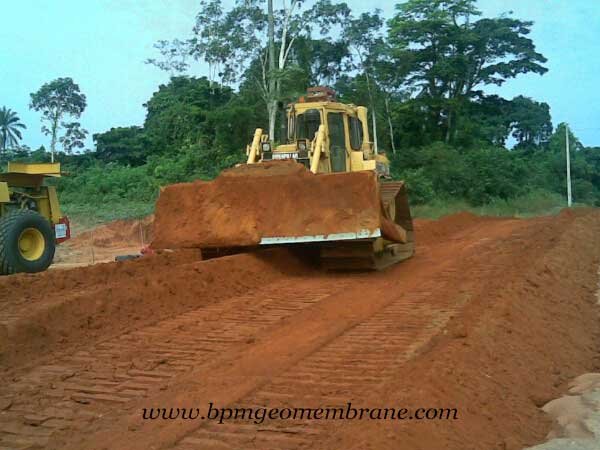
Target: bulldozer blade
column 270, row 203
column 363, row 234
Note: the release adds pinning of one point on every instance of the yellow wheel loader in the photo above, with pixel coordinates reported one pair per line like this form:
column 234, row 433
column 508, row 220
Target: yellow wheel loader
column 31, row 223
column 325, row 187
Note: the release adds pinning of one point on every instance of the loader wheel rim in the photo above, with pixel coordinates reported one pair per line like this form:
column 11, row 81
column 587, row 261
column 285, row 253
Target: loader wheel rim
column 31, row 244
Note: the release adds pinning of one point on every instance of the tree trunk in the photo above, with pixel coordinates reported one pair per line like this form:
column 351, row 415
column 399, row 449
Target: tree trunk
column 448, row 127
column 391, row 127
column 53, row 141
column 272, row 111
column 283, row 126
column 271, row 95
column 374, row 119
column 372, row 101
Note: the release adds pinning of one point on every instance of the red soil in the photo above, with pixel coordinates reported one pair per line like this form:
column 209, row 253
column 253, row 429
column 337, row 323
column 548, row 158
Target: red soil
column 120, row 233
column 491, row 316
column 104, row 243
column 58, row 309
column 248, row 203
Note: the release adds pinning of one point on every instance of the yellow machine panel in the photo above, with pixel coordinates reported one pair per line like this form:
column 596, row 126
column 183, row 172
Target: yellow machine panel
column 47, row 169
column 4, row 195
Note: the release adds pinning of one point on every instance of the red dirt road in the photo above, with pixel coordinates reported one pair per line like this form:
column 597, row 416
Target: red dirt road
column 492, row 317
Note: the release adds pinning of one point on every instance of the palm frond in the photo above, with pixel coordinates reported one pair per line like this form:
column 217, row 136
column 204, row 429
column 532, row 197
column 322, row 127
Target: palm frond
column 10, row 126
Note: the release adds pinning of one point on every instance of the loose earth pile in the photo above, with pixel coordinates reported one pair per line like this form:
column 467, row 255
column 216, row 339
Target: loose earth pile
column 247, row 203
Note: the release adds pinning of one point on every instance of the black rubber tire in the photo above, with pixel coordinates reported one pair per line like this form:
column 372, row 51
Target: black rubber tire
column 11, row 227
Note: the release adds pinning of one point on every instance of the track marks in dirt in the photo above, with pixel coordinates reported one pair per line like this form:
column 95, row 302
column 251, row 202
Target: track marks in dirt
column 349, row 338
column 346, row 345
column 349, row 368
column 78, row 388
column 109, row 299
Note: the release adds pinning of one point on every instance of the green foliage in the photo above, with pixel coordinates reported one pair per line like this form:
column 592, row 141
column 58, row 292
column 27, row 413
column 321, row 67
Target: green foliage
column 178, row 111
column 423, row 79
column 74, row 136
column 476, row 175
column 191, row 162
column 186, row 112
column 533, row 203
column 10, row 129
column 123, row 145
column 110, row 183
column 449, row 55
column 88, row 215
column 55, row 100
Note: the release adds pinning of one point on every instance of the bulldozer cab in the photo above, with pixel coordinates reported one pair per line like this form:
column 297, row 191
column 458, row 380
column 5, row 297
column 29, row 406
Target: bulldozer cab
column 323, row 134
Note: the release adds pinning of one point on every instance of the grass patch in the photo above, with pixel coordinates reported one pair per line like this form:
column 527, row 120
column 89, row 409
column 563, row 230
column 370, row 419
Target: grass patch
column 536, row 203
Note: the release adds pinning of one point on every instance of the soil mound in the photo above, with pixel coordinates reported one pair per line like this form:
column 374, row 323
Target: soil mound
column 435, row 230
column 120, row 233
column 61, row 308
column 276, row 199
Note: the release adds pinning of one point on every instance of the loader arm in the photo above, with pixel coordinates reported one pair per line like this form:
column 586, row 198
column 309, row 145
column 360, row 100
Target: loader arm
column 318, row 148
column 254, row 150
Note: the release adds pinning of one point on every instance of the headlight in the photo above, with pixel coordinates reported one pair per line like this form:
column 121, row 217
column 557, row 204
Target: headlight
column 266, row 146
column 302, row 145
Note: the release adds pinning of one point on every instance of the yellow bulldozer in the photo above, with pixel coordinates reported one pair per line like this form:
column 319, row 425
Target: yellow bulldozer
column 325, row 187
column 31, row 222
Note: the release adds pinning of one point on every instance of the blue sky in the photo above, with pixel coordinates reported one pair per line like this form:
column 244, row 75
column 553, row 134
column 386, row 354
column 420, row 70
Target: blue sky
column 102, row 45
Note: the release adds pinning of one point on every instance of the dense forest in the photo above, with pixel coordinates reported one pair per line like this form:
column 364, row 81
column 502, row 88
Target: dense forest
column 424, row 73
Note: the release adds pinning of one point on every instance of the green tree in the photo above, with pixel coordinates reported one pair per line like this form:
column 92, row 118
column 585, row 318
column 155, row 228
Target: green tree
column 484, row 121
column 530, row 121
column 177, row 112
column 365, row 39
column 174, row 56
column 55, row 100
column 124, row 145
column 452, row 55
column 252, row 36
column 10, row 128
column 74, row 136
column 322, row 61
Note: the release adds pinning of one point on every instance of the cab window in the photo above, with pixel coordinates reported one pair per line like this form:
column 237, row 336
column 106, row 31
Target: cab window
column 337, row 142
column 307, row 124
column 356, row 136
column 335, row 122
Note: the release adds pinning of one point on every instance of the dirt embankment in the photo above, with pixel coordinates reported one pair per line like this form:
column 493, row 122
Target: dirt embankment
column 104, row 243
column 120, row 233
column 61, row 309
